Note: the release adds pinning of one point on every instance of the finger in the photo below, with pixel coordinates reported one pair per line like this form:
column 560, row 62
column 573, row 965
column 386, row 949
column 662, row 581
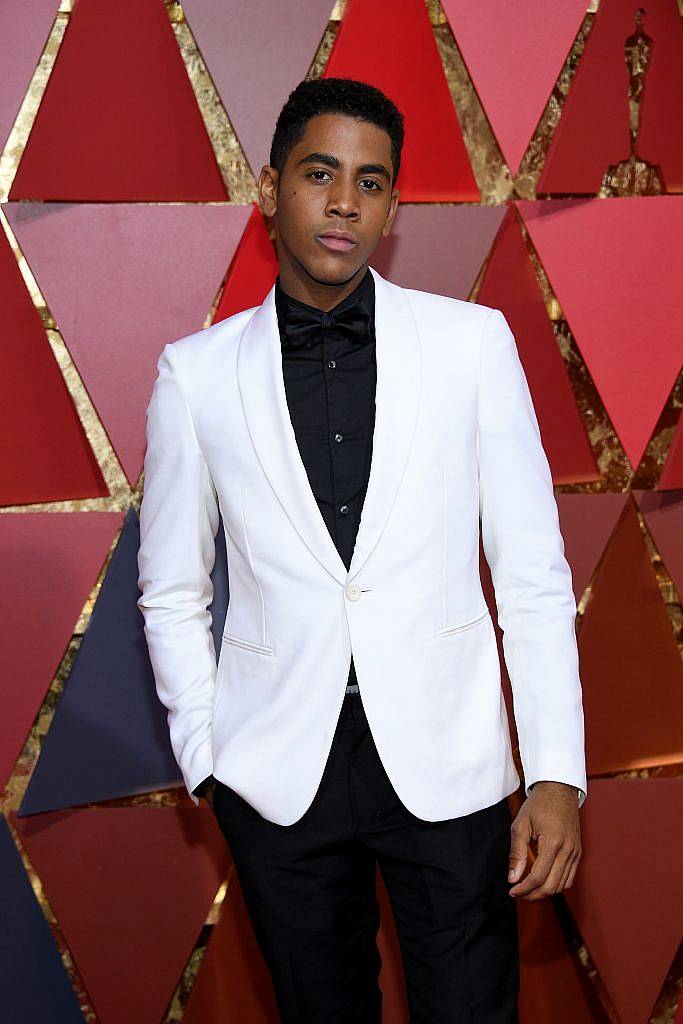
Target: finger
column 567, row 868
column 546, row 870
column 572, row 872
column 549, row 886
column 559, row 869
column 519, row 855
column 520, row 832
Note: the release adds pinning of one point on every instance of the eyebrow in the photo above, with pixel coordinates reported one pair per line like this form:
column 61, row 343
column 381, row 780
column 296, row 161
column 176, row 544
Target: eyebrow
column 332, row 161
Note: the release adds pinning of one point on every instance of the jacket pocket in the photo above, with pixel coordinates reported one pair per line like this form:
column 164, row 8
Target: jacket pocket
column 249, row 645
column 462, row 626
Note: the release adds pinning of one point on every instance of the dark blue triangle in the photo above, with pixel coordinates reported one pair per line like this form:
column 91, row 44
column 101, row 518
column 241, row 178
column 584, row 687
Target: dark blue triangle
column 109, row 736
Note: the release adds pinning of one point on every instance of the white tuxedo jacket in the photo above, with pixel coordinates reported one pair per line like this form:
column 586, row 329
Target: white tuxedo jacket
column 456, row 440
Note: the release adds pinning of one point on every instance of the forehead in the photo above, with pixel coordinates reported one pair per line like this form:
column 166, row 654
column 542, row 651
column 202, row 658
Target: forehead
column 340, row 134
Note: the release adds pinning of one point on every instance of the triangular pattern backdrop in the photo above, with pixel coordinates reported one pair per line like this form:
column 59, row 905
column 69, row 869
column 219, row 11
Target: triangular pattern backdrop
column 542, row 174
column 514, row 58
column 119, row 80
column 110, row 273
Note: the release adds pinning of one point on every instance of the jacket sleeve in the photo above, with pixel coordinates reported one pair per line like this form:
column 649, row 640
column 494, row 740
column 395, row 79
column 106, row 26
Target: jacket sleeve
column 531, row 577
column 178, row 523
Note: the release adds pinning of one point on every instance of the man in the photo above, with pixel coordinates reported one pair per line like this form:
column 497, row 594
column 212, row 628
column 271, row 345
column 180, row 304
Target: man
column 354, row 433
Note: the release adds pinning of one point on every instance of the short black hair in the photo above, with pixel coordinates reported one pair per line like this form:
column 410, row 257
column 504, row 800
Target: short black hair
column 347, row 96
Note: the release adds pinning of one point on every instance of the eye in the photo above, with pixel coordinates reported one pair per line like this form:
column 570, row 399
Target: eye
column 316, row 172
column 377, row 188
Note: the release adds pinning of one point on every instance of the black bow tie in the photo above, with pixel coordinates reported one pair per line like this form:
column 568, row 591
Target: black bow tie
column 303, row 327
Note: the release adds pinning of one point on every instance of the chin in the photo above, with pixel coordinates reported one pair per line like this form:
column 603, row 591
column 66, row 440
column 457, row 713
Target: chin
column 332, row 271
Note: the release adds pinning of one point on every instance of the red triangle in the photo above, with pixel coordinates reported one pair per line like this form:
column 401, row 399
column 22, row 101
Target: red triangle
column 593, row 132
column 50, row 563
column 553, row 984
column 252, row 271
column 438, row 247
column 586, row 523
column 398, row 54
column 622, row 301
column 630, row 665
column 255, row 56
column 514, row 59
column 45, row 453
column 118, row 120
column 627, row 897
column 110, row 274
column 510, row 284
column 131, row 888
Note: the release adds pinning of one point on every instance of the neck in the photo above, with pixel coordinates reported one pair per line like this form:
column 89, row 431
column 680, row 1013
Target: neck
column 321, row 294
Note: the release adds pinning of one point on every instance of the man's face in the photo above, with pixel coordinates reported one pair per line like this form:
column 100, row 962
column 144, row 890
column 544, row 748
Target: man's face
column 338, row 177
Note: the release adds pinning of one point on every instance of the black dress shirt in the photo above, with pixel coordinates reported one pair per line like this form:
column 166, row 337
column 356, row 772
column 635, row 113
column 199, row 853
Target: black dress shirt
column 330, row 388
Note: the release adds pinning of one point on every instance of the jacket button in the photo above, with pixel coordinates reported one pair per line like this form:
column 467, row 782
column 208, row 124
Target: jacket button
column 352, row 591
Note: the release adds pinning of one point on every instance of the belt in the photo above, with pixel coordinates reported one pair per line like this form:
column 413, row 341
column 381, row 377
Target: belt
column 355, row 688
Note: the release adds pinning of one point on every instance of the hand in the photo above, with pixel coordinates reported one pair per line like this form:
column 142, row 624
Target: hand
column 550, row 814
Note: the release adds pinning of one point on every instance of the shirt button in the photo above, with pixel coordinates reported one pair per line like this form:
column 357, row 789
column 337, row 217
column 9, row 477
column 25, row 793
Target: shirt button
column 344, row 509
column 332, row 363
column 353, row 591
column 339, row 437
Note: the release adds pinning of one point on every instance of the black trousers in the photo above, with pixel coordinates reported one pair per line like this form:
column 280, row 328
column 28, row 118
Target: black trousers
column 309, row 889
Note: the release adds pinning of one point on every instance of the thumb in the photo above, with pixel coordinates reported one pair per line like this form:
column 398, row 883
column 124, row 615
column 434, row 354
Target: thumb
column 519, row 852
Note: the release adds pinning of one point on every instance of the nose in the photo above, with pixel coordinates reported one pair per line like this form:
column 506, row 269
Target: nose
column 343, row 199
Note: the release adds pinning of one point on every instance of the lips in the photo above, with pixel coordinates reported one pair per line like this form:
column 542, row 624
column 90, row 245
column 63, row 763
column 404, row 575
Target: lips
column 336, row 244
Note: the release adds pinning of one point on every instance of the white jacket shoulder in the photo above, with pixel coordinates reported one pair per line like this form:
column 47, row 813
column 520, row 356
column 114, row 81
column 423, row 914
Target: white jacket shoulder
column 194, row 347
column 432, row 304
